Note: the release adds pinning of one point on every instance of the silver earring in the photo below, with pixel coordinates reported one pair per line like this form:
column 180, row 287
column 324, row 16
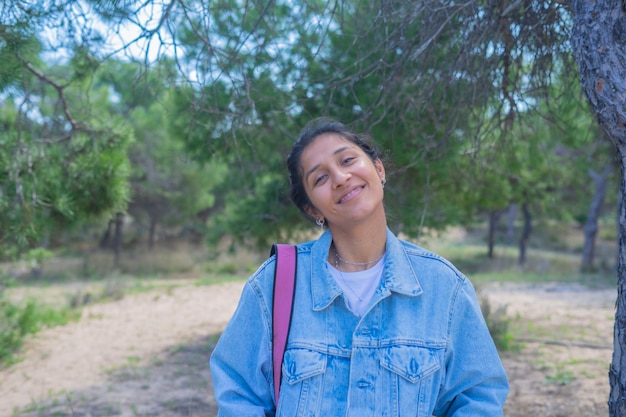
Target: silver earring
column 320, row 223
column 383, row 182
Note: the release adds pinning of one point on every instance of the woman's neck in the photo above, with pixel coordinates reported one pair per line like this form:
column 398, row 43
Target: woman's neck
column 357, row 248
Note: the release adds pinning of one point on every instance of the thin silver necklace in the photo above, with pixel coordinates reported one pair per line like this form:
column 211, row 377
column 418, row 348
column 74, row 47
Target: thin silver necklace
column 339, row 258
column 343, row 279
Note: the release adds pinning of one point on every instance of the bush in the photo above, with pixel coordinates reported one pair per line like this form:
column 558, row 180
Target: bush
column 498, row 324
column 16, row 322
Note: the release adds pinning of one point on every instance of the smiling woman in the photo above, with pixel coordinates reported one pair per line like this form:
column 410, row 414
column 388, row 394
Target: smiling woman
column 344, row 185
column 379, row 326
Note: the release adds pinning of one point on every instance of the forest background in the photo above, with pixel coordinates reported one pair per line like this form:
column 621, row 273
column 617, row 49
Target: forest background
column 127, row 125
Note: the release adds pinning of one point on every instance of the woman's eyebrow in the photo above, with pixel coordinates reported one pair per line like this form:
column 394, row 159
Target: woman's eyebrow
column 312, row 170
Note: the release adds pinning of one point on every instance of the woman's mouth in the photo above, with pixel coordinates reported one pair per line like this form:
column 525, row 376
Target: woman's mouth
column 352, row 194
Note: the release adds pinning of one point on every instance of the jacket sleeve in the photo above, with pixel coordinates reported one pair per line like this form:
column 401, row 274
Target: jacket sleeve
column 475, row 381
column 241, row 368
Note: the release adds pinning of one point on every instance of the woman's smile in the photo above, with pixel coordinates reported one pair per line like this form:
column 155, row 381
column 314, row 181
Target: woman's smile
column 351, row 194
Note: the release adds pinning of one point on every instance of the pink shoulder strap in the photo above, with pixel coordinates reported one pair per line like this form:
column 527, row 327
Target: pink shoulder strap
column 284, row 288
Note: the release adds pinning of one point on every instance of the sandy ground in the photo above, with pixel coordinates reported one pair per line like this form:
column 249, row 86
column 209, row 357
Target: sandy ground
column 562, row 368
column 147, row 354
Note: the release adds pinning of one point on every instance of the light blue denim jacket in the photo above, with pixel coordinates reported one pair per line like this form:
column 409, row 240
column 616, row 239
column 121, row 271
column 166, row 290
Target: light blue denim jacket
column 421, row 349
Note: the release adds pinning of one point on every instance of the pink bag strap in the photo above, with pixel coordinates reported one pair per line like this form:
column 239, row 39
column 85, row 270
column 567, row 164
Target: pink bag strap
column 284, row 289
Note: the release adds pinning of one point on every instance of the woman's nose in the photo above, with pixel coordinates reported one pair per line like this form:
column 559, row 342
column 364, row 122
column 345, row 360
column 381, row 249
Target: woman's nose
column 340, row 177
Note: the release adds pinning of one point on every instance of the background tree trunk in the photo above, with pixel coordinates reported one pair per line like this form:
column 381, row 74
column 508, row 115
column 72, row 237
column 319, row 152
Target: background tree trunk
column 599, row 46
column 510, row 223
column 494, row 216
column 152, row 232
column 528, row 227
column 590, row 229
column 105, row 241
column 117, row 242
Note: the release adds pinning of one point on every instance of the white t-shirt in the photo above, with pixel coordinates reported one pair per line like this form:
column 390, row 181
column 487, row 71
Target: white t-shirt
column 358, row 287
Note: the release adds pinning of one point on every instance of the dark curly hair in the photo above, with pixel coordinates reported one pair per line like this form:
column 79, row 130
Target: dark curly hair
column 311, row 131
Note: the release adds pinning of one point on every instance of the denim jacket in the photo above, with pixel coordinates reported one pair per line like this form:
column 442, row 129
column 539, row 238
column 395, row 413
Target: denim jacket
column 422, row 348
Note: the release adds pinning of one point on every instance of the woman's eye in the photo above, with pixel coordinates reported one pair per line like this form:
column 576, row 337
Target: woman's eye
column 319, row 179
column 348, row 160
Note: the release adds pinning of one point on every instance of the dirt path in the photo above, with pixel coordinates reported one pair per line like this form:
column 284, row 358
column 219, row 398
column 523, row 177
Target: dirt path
column 147, row 355
column 121, row 357
column 558, row 380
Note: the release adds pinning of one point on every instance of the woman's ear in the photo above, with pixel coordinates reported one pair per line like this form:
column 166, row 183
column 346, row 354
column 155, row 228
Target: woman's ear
column 313, row 212
column 378, row 164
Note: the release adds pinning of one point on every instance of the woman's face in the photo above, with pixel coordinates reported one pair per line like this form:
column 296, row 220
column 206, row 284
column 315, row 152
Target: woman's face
column 342, row 182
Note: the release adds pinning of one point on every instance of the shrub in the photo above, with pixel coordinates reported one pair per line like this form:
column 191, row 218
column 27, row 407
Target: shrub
column 16, row 322
column 498, row 324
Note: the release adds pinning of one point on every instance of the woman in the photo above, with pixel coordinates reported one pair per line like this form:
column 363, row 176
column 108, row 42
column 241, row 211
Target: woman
column 380, row 327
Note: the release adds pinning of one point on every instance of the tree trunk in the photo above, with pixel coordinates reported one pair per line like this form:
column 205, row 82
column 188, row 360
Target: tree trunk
column 617, row 371
column 117, row 242
column 590, row 229
column 105, row 241
column 528, row 227
column 510, row 225
column 152, row 232
column 599, row 46
column 494, row 215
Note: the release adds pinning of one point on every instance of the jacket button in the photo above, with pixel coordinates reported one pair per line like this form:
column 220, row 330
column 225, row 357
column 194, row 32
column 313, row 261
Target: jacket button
column 362, row 384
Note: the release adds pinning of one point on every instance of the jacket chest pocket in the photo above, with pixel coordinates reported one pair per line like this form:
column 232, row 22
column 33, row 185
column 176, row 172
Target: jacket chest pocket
column 410, row 380
column 302, row 382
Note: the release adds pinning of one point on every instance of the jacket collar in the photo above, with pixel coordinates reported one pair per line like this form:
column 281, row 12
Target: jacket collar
column 398, row 273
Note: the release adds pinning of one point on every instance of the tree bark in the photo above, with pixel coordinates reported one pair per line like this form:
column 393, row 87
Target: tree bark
column 599, row 46
column 105, row 241
column 510, row 228
column 117, row 242
column 152, row 232
column 494, row 215
column 590, row 229
column 617, row 371
column 528, row 227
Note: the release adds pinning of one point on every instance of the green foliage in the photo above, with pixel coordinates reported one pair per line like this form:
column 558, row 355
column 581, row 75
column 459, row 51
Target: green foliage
column 37, row 256
column 57, row 172
column 17, row 322
column 170, row 185
column 461, row 115
column 15, row 43
column 561, row 376
column 498, row 324
column 258, row 214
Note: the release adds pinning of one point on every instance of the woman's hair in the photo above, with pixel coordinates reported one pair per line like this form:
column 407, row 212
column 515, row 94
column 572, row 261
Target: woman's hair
column 312, row 131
